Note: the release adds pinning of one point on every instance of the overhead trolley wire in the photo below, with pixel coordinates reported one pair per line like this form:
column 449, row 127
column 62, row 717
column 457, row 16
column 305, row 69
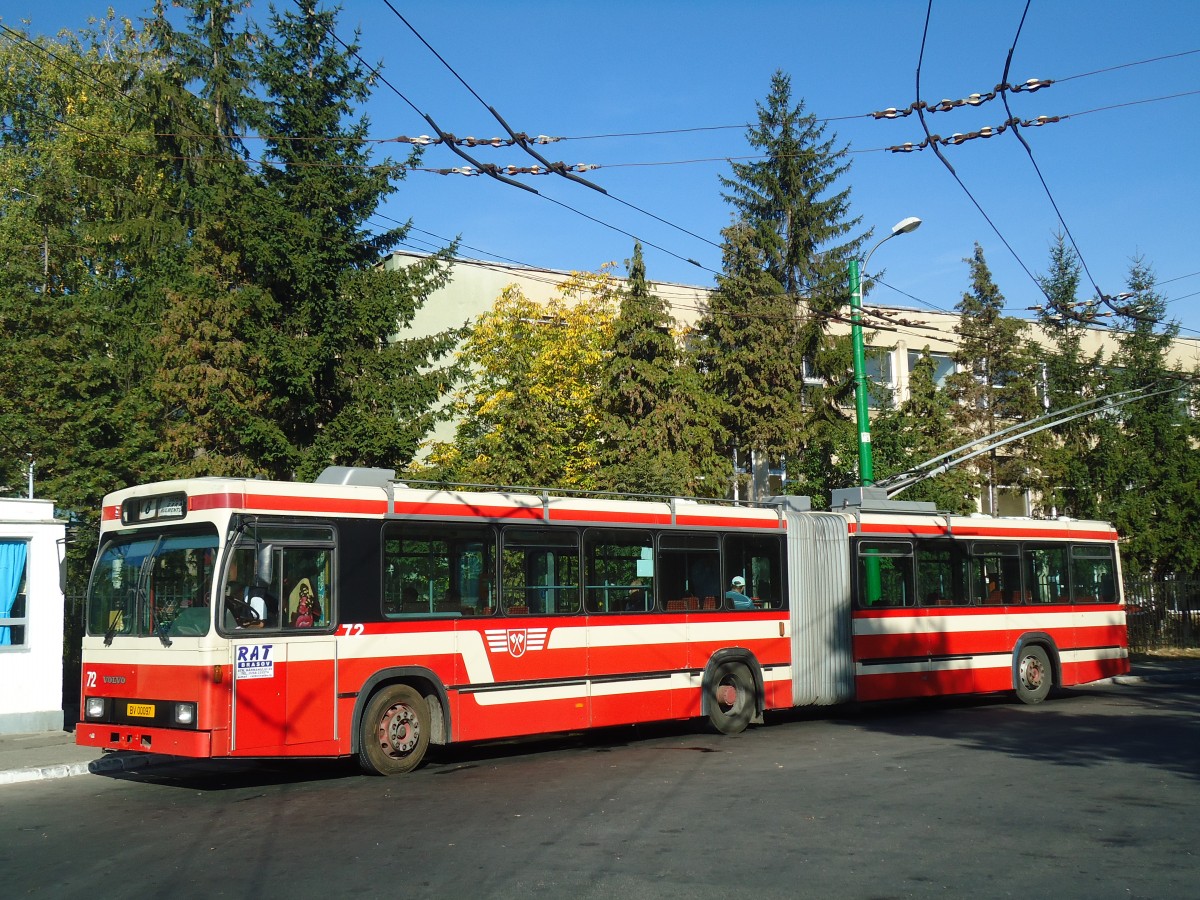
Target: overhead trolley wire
column 1016, row 131
column 523, row 143
column 492, row 171
column 937, row 151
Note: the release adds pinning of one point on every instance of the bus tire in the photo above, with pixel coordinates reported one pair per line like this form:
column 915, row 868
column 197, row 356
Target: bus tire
column 394, row 733
column 730, row 698
column 1035, row 677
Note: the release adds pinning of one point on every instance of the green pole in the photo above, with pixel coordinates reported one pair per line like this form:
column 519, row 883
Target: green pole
column 866, row 465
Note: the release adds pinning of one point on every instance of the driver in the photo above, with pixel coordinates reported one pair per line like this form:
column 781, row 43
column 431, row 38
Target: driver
column 246, row 604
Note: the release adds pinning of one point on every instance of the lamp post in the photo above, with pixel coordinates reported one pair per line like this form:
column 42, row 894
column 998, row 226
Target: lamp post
column 866, row 465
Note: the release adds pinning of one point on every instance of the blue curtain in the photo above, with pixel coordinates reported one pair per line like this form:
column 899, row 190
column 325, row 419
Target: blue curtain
column 12, row 568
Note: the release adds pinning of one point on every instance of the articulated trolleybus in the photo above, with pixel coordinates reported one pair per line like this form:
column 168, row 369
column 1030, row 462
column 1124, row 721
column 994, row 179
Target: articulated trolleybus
column 356, row 616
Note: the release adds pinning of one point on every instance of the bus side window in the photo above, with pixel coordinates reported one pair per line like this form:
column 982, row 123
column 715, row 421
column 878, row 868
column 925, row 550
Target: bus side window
column 942, row 574
column 306, row 579
column 885, row 574
column 432, row 569
column 1093, row 574
column 689, row 571
column 619, row 570
column 995, row 574
column 757, row 560
column 540, row 571
column 1045, row 573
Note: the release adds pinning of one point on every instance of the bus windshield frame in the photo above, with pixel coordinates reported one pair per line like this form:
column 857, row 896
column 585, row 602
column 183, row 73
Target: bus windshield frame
column 154, row 582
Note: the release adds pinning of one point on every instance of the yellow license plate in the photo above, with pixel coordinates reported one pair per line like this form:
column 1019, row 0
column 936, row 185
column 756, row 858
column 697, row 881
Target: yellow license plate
column 141, row 710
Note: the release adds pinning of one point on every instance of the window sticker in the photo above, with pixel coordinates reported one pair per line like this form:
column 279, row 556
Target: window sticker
column 255, row 661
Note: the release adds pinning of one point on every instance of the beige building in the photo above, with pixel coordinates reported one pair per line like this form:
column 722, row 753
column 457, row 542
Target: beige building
column 892, row 350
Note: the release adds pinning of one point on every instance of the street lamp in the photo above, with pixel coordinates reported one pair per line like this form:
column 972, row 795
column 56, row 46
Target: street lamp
column 866, row 466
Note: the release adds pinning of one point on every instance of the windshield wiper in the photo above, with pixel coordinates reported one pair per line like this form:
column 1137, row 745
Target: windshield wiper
column 117, row 617
column 161, row 630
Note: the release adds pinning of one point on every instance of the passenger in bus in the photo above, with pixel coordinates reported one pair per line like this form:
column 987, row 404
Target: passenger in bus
column 308, row 611
column 636, row 601
column 737, row 594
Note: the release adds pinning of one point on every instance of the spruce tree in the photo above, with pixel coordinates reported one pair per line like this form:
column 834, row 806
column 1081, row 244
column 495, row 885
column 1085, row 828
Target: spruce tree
column 784, row 276
column 996, row 382
column 1070, row 478
column 344, row 388
column 1148, row 460
column 655, row 437
column 71, row 400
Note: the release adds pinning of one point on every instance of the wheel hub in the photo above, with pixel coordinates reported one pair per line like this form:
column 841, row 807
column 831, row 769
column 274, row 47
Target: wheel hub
column 399, row 731
column 727, row 695
column 1031, row 673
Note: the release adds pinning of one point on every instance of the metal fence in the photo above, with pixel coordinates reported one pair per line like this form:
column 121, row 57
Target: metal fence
column 1162, row 615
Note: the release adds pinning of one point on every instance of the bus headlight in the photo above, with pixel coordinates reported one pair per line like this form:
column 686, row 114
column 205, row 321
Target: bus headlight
column 95, row 708
column 185, row 713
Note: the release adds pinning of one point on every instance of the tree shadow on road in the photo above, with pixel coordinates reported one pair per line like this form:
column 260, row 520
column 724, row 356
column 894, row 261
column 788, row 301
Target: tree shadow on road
column 1155, row 726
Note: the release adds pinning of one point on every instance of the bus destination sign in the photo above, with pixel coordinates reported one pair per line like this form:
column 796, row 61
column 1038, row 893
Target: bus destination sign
column 165, row 507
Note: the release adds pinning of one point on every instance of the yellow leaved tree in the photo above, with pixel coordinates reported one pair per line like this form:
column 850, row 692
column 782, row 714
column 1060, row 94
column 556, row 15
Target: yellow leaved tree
column 529, row 413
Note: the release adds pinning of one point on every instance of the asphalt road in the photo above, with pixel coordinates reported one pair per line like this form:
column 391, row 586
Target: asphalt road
column 1095, row 794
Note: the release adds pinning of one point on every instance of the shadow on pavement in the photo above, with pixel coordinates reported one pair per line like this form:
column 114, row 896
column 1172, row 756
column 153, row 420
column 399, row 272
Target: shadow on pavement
column 1066, row 730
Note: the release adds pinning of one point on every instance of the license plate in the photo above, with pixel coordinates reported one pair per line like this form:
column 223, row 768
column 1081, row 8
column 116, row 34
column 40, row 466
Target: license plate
column 141, row 710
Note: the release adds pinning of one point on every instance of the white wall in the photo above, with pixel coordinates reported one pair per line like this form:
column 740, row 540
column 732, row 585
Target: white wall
column 31, row 675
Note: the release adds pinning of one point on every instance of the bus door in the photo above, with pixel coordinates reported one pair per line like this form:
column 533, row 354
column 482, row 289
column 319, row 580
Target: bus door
column 1002, row 613
column 538, row 651
column 897, row 648
column 637, row 662
column 283, row 655
column 284, row 692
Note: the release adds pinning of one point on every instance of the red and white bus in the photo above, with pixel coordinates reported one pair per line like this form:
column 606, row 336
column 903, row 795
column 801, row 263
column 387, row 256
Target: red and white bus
column 357, row 616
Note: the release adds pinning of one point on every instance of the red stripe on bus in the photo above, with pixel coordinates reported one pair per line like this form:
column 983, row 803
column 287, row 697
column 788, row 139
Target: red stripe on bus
column 1029, row 609
column 430, row 508
column 978, row 531
column 725, row 522
column 629, row 518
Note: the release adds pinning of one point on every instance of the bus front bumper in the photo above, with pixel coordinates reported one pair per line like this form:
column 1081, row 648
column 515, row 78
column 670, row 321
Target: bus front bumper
column 173, row 742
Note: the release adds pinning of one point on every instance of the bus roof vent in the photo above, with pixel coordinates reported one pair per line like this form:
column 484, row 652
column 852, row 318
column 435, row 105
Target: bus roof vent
column 357, row 475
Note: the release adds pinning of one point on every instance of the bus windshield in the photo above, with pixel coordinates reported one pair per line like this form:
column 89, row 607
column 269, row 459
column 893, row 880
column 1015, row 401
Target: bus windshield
column 153, row 583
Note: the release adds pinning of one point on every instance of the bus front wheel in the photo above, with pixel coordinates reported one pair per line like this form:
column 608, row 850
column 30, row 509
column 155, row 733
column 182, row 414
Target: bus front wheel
column 394, row 732
column 1034, row 675
column 730, row 698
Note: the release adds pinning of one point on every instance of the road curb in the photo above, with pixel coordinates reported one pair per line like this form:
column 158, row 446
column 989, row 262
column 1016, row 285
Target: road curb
column 42, row 773
column 105, row 765
column 1176, row 678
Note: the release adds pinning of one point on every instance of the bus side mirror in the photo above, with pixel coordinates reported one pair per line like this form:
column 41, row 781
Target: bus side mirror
column 266, row 562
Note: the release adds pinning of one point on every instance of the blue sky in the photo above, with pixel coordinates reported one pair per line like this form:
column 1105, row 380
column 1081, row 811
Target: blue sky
column 1123, row 176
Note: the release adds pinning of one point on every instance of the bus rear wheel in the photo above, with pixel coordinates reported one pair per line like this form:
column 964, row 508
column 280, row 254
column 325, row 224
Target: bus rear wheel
column 394, row 733
column 1035, row 678
column 730, row 698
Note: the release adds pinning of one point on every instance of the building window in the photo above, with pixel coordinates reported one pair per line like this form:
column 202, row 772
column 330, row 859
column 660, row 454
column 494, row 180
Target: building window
column 808, row 371
column 14, row 609
column 943, row 366
column 880, row 379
